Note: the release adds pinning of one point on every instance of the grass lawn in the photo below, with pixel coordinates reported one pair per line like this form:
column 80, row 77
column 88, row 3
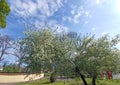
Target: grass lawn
column 71, row 82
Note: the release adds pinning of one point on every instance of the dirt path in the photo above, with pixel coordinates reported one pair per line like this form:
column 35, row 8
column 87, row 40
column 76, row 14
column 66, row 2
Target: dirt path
column 6, row 84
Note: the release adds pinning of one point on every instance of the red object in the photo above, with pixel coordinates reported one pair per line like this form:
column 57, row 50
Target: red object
column 109, row 74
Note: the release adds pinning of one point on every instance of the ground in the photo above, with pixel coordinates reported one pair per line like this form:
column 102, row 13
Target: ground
column 6, row 84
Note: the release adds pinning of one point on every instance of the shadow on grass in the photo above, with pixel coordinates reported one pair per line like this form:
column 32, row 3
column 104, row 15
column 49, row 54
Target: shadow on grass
column 46, row 82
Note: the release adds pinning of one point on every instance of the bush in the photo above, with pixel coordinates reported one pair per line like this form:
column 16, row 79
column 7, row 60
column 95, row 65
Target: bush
column 11, row 68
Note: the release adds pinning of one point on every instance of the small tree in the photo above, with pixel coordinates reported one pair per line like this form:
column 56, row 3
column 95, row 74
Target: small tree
column 4, row 12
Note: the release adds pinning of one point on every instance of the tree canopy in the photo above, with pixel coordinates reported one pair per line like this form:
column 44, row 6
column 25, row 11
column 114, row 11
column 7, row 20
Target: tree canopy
column 59, row 53
column 4, row 12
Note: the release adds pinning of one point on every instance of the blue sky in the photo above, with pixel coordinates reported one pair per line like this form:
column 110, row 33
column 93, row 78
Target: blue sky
column 98, row 17
column 84, row 16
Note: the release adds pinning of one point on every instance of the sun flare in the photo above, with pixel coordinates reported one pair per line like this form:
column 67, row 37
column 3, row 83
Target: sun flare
column 117, row 4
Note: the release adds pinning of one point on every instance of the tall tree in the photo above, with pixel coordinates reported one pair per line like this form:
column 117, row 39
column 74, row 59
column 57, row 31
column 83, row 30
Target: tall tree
column 80, row 59
column 46, row 51
column 4, row 12
column 62, row 49
column 37, row 48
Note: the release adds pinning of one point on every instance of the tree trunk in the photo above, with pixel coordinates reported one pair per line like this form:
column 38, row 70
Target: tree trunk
column 81, row 75
column 83, row 79
column 94, row 80
column 53, row 77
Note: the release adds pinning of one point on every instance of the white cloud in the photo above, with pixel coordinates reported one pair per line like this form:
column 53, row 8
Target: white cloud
column 87, row 13
column 66, row 1
column 76, row 17
column 53, row 24
column 86, row 22
column 64, row 18
column 23, row 8
column 62, row 29
column 97, row 1
column 93, row 29
column 118, row 44
column 58, row 27
column 26, row 8
column 104, row 33
column 102, row 1
column 67, row 18
column 72, row 12
column 76, row 13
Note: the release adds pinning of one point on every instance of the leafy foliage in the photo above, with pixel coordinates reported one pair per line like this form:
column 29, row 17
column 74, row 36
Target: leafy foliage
column 97, row 55
column 4, row 12
column 37, row 47
column 65, row 55
column 11, row 68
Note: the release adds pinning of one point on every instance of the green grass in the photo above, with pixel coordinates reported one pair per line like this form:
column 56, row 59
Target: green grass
column 47, row 74
column 108, row 82
column 71, row 82
column 46, row 82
